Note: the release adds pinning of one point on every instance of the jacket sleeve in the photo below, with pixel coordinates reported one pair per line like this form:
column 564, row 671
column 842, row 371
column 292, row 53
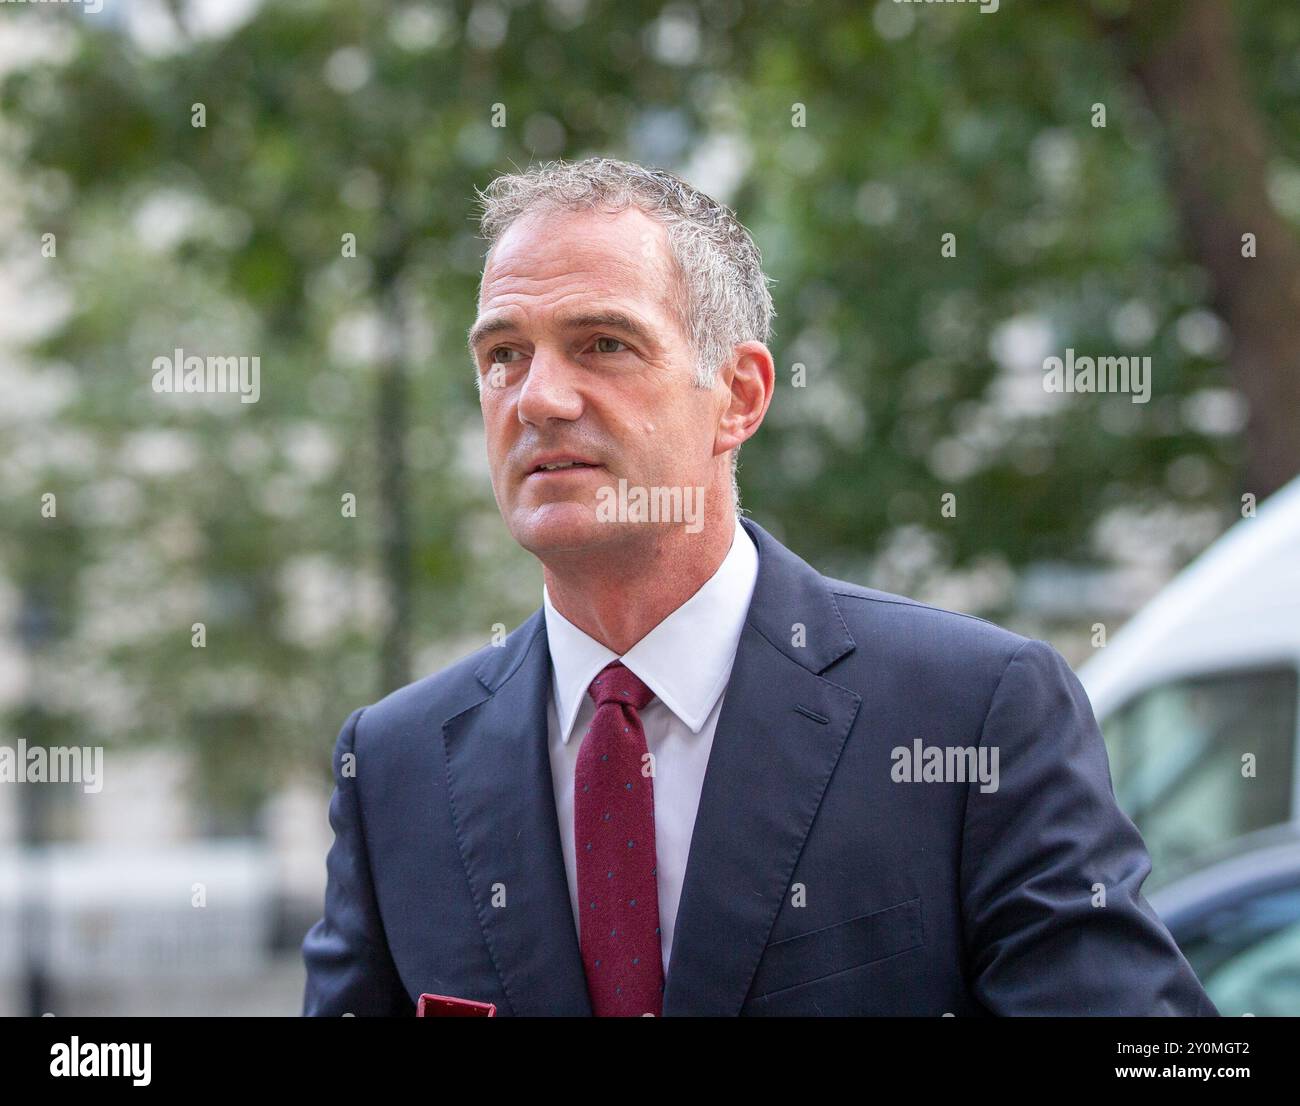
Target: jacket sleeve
column 1052, row 870
column 349, row 967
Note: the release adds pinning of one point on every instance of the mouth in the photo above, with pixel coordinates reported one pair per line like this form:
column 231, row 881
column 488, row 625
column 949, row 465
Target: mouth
column 560, row 469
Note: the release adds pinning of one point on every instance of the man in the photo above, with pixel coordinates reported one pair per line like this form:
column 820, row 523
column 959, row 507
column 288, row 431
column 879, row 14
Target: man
column 703, row 778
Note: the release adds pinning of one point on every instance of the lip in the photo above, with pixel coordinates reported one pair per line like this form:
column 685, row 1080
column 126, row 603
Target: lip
column 561, row 474
column 534, row 466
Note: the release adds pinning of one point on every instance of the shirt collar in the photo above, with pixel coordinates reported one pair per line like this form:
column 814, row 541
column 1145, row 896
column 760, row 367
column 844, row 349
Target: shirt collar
column 686, row 660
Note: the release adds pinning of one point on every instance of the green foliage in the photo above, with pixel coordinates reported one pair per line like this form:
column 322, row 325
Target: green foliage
column 333, row 118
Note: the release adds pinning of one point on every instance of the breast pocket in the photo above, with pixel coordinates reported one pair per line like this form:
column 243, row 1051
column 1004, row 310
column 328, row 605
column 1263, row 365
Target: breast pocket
column 807, row 957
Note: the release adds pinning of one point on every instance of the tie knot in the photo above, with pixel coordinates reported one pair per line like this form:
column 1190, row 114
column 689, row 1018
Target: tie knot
column 616, row 683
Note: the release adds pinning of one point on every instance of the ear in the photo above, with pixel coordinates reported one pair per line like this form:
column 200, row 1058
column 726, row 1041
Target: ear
column 749, row 380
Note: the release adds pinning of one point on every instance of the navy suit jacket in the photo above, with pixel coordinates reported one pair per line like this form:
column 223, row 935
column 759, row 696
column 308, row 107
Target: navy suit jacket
column 816, row 883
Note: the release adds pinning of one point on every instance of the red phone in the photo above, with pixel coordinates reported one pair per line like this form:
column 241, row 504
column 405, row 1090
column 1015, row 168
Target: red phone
column 444, row 1006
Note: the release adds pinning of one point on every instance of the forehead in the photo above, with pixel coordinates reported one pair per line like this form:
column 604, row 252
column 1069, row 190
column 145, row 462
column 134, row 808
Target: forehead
column 553, row 257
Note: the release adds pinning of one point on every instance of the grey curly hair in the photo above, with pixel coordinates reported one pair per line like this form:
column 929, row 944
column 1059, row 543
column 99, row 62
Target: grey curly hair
column 721, row 296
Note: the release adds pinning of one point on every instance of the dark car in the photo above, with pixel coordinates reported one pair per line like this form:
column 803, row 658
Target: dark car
column 1237, row 920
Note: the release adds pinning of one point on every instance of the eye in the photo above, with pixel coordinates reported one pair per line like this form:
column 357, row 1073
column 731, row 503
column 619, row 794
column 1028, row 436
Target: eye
column 492, row 354
column 608, row 339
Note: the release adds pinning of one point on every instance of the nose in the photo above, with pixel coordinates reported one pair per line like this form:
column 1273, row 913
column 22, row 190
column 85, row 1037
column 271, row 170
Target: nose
column 548, row 390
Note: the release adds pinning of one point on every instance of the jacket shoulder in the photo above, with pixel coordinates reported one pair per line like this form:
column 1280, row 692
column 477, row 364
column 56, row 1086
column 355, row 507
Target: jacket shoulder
column 918, row 628
column 429, row 700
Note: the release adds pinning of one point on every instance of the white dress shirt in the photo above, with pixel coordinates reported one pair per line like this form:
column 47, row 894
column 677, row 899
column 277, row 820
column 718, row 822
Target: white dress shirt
column 686, row 661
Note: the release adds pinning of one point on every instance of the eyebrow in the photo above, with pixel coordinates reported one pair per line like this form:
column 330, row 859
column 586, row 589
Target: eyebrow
column 607, row 319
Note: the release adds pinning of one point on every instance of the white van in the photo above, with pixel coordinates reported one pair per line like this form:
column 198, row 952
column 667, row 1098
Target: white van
column 1198, row 695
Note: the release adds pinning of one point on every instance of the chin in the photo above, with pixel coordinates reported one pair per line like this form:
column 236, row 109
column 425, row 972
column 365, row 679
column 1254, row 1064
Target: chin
column 561, row 526
column 552, row 527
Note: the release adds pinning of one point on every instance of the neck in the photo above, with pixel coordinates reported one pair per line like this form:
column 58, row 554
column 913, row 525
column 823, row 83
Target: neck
column 636, row 585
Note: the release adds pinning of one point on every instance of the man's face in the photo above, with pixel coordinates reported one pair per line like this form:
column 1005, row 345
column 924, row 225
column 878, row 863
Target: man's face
column 581, row 356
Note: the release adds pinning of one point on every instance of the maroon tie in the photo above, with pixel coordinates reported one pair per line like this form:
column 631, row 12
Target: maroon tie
column 614, row 834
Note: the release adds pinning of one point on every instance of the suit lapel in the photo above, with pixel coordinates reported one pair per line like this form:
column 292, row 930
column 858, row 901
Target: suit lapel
column 779, row 735
column 503, row 807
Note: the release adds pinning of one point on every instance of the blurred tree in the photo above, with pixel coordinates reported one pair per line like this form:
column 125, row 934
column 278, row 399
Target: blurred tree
column 1219, row 158
column 850, row 138
column 301, row 188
